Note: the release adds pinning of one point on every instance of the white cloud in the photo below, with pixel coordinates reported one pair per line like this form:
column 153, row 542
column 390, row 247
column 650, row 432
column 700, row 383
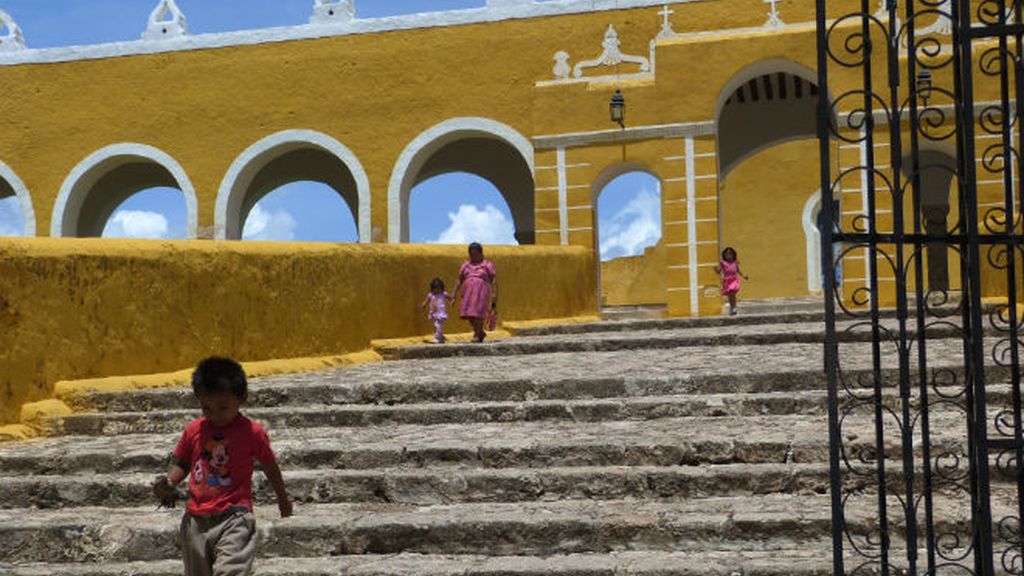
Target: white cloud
column 136, row 224
column 11, row 221
column 266, row 225
column 469, row 224
column 635, row 227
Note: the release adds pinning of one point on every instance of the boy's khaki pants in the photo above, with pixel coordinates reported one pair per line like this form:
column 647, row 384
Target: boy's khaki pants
column 219, row 545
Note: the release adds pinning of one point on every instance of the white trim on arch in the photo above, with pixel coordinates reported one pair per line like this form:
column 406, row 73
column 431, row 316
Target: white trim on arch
column 812, row 236
column 247, row 165
column 432, row 139
column 85, row 175
column 28, row 213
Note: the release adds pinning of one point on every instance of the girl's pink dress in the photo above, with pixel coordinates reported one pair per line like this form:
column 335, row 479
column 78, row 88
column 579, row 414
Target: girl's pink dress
column 476, row 289
column 730, row 276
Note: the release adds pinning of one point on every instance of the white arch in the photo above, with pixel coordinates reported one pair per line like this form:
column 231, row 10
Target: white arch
column 96, row 165
column 28, row 213
column 249, row 163
column 418, row 152
column 812, row 237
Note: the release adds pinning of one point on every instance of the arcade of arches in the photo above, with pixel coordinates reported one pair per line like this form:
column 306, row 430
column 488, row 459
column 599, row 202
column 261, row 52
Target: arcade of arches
column 720, row 110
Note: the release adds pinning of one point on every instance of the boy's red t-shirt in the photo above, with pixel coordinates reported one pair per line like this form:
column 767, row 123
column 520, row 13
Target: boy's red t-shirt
column 219, row 462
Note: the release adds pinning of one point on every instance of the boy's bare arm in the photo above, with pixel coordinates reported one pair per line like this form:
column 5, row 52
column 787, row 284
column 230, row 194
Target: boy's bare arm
column 164, row 488
column 273, row 473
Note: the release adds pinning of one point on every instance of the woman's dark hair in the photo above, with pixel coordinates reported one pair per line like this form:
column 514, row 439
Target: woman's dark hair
column 727, row 250
column 436, row 283
column 219, row 375
column 477, row 247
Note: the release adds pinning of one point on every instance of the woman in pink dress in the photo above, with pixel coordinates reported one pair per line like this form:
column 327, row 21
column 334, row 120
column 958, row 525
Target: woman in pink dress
column 729, row 269
column 477, row 289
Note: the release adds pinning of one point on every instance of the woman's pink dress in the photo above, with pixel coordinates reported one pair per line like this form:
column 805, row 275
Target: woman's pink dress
column 476, row 289
column 730, row 276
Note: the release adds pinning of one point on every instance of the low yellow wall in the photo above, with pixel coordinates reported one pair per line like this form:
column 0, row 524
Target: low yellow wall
column 91, row 308
column 635, row 280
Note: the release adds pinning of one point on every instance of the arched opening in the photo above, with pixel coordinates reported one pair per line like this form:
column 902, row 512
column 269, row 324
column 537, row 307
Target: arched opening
column 153, row 213
column 295, row 156
column 767, row 130
column 17, row 218
column 105, row 180
column 301, row 211
column 484, row 148
column 458, row 208
column 628, row 231
column 939, row 216
column 813, row 221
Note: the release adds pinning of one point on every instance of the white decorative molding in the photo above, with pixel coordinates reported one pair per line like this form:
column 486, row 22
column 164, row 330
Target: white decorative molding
column 13, row 39
column 312, row 31
column 627, row 134
column 774, row 19
column 332, row 11
column 562, row 68
column 418, row 152
column 28, row 214
column 666, row 24
column 84, row 176
column 611, row 56
column 239, row 176
column 166, row 21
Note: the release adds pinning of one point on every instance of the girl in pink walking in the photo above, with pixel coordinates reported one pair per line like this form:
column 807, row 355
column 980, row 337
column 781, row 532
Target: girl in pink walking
column 478, row 290
column 729, row 268
column 436, row 305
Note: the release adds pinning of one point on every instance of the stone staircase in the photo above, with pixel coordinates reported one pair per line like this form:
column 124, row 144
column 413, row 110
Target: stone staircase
column 651, row 447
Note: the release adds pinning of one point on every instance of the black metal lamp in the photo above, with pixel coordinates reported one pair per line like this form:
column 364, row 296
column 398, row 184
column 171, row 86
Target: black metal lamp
column 618, row 108
column 924, row 85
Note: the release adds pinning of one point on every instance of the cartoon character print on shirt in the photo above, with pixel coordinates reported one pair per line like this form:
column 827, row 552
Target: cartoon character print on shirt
column 212, row 468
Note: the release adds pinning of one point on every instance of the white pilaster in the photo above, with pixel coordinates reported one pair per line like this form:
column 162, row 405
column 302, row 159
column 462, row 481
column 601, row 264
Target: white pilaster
column 563, row 198
column 691, row 226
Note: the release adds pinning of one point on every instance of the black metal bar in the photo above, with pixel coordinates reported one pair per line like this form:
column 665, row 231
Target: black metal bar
column 831, row 360
column 975, row 356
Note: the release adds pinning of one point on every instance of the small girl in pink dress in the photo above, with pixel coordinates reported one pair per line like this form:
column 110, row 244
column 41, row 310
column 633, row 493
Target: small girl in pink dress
column 436, row 305
column 478, row 290
column 729, row 269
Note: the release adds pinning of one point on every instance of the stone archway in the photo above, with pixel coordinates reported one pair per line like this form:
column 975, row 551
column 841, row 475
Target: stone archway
column 283, row 158
column 486, row 148
column 105, row 179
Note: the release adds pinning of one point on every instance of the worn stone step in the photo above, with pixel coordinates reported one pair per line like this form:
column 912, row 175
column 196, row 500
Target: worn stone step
column 626, row 324
column 724, row 337
column 811, row 559
column 494, row 529
column 659, row 442
column 443, row 486
column 647, row 407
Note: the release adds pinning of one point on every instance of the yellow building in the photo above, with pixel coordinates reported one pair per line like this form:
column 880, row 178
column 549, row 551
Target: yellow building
column 720, row 95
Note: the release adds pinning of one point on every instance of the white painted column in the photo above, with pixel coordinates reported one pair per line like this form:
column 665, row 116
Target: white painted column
column 691, row 226
column 563, row 198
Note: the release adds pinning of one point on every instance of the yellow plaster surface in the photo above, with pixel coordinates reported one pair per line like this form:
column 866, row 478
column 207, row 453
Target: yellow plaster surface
column 635, row 280
column 87, row 309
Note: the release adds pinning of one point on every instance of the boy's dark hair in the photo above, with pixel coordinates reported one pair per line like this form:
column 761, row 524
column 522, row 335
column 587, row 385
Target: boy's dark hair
column 476, row 246
column 217, row 374
column 436, row 283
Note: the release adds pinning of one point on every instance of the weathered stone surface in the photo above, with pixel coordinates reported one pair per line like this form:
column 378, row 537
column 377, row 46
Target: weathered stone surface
column 664, row 448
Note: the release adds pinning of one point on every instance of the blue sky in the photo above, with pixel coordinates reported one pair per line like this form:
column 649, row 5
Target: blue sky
column 452, row 208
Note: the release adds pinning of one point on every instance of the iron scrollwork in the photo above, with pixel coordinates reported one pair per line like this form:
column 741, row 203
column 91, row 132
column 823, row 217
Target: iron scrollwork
column 923, row 255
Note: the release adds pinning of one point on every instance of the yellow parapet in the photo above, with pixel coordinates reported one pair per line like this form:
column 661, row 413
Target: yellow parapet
column 90, row 308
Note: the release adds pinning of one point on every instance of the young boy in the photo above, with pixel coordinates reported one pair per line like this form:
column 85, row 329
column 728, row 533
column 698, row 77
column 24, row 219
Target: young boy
column 216, row 451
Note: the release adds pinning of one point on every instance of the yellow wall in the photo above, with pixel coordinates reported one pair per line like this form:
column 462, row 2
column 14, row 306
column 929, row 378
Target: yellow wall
column 635, row 280
column 87, row 308
column 762, row 206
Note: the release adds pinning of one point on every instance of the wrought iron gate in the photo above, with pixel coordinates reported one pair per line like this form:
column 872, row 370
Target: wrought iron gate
column 920, row 149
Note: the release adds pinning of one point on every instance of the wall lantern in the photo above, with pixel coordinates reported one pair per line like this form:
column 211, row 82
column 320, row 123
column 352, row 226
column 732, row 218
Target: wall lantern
column 924, row 85
column 618, row 108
